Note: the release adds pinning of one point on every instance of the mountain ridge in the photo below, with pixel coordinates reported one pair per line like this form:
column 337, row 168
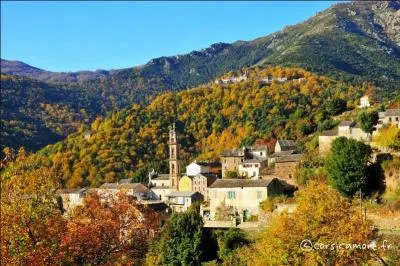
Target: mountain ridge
column 348, row 40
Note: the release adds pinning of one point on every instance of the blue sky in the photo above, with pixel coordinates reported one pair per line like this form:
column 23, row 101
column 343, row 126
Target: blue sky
column 71, row 36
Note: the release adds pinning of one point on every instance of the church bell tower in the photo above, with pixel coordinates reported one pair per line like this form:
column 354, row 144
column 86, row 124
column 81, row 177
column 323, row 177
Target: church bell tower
column 173, row 158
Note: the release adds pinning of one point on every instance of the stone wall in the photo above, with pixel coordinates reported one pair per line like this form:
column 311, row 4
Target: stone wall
column 286, row 171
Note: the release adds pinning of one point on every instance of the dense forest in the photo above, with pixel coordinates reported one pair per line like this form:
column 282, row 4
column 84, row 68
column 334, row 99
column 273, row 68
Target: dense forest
column 209, row 118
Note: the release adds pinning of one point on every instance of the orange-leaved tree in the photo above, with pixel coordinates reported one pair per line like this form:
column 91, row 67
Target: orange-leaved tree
column 108, row 229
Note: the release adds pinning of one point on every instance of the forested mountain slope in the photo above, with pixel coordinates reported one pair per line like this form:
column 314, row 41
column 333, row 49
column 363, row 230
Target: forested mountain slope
column 209, row 118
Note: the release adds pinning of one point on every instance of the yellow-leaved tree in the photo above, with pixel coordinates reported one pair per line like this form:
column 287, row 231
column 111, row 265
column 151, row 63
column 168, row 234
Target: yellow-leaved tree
column 388, row 137
column 322, row 216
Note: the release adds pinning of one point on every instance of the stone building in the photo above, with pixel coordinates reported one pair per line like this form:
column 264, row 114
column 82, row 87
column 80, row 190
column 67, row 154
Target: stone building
column 136, row 190
column 286, row 166
column 348, row 129
column 180, row 201
column 252, row 168
column 244, row 195
column 201, row 183
column 71, row 198
column 390, row 116
column 230, row 160
column 285, row 145
column 195, row 168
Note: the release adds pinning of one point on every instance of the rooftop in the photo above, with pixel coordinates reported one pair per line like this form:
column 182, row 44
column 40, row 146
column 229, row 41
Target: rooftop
column 289, row 158
column 161, row 177
column 208, row 175
column 210, row 164
column 233, row 153
column 181, row 194
column 346, row 123
column 125, row 181
column 392, row 112
column 332, row 132
column 258, row 160
column 136, row 187
column 286, row 144
column 231, row 183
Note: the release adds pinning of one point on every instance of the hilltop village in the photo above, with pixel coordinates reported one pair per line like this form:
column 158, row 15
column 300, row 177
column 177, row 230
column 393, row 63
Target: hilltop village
column 231, row 191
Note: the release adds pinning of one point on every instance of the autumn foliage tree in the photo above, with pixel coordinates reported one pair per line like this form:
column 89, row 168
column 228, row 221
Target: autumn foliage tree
column 31, row 220
column 322, row 216
column 111, row 229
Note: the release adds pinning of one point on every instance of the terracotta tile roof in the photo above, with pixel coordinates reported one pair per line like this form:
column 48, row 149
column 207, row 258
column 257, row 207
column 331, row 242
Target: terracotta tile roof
column 392, row 112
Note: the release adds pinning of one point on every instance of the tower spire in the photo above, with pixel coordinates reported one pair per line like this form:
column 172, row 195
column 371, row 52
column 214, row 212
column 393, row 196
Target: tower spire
column 174, row 170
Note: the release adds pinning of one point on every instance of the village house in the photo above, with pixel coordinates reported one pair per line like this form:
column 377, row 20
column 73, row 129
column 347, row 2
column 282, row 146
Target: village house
column 180, row 201
column 186, row 183
column 348, row 129
column 244, row 195
column 71, row 198
column 159, row 186
column 286, row 166
column 390, row 116
column 231, row 159
column 365, row 101
column 201, row 183
column 136, row 190
column 196, row 168
column 251, row 168
column 282, row 145
column 230, row 80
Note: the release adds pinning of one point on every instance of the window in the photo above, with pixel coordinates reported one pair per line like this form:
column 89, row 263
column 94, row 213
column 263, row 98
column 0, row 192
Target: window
column 215, row 194
column 231, row 195
column 259, row 194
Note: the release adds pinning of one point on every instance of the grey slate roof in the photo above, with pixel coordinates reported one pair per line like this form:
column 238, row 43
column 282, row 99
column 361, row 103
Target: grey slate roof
column 258, row 160
column 210, row 164
column 232, row 153
column 346, row 123
column 231, row 183
column 181, row 194
column 289, row 158
column 333, row 132
column 161, row 177
column 125, row 181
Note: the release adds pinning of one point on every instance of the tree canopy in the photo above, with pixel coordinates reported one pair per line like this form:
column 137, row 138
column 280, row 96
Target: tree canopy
column 347, row 165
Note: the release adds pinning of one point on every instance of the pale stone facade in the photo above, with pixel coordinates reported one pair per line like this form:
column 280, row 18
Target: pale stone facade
column 348, row 129
column 252, row 168
column 71, row 198
column 243, row 195
column 180, row 201
column 201, row 182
